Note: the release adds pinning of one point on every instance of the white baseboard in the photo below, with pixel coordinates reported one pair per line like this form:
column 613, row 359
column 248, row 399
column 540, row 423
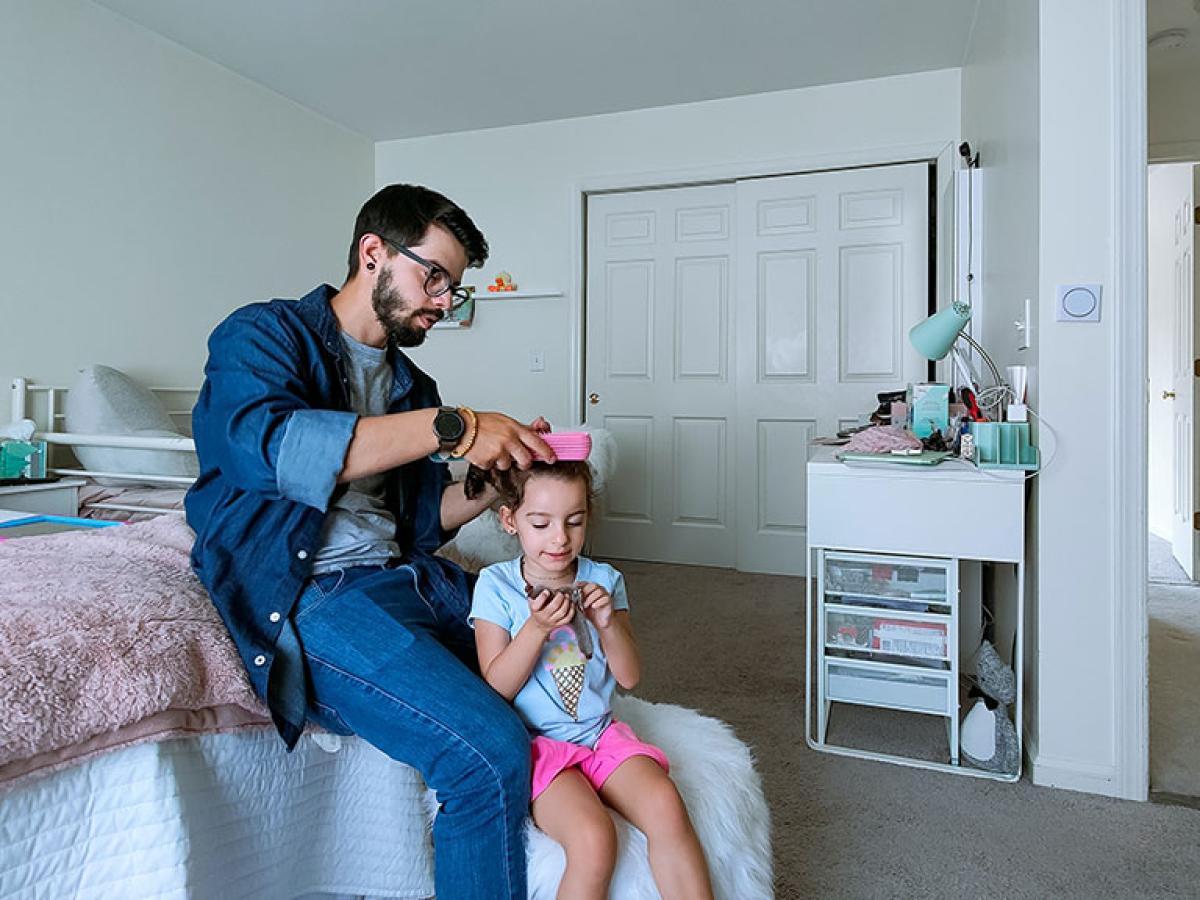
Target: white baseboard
column 1071, row 774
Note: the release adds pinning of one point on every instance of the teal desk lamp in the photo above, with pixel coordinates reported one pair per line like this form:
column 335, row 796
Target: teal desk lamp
column 934, row 337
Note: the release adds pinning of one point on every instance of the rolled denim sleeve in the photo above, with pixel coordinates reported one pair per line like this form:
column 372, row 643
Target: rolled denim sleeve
column 312, row 454
column 255, row 400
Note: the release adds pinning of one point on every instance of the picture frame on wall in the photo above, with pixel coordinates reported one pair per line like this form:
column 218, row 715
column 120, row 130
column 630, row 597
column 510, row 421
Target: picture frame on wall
column 461, row 317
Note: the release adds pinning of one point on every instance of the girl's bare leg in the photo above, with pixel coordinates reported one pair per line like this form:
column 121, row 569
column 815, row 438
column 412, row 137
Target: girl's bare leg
column 645, row 795
column 571, row 813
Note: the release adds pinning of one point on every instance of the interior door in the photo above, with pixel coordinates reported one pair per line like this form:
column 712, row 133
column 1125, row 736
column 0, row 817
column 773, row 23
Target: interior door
column 833, row 270
column 1178, row 182
column 659, row 371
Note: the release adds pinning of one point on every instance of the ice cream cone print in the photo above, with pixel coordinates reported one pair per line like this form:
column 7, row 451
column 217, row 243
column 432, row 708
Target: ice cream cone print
column 570, row 685
column 567, row 665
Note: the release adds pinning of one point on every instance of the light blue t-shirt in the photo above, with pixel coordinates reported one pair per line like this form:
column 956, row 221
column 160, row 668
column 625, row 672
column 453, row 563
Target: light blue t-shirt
column 567, row 697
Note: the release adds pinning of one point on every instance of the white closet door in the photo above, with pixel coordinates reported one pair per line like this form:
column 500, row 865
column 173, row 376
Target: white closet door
column 727, row 325
column 833, row 270
column 659, row 371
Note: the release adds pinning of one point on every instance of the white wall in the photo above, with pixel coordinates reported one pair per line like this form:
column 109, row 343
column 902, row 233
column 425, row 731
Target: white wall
column 147, row 192
column 518, row 185
column 1000, row 85
column 1000, row 120
column 1174, row 115
column 1078, row 606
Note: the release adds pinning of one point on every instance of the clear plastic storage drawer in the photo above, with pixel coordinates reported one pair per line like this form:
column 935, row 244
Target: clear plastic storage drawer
column 919, row 586
column 887, row 638
column 909, row 690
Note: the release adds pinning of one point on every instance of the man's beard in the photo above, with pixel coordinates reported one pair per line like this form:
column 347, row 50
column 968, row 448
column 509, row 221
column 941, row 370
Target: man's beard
column 396, row 314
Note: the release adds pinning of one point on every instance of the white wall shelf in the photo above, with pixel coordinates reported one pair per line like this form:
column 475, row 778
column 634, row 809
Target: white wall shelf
column 516, row 295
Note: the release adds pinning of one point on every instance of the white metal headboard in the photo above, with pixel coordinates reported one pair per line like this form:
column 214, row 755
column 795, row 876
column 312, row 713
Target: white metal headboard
column 44, row 403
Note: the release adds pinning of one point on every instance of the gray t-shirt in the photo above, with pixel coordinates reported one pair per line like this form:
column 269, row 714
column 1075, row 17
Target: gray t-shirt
column 359, row 529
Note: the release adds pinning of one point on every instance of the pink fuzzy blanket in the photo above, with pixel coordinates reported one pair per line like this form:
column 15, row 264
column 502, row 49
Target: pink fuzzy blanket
column 108, row 638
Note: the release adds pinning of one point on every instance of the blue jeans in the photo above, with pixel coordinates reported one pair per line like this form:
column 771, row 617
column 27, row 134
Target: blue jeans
column 398, row 669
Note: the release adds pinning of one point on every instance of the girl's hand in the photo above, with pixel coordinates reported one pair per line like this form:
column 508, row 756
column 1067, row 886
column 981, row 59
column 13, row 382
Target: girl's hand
column 551, row 610
column 597, row 604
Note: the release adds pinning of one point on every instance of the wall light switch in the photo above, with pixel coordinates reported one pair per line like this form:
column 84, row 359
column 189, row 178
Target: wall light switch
column 1024, row 327
column 537, row 361
column 1078, row 303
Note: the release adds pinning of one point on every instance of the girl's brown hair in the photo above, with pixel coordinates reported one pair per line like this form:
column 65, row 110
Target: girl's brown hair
column 510, row 483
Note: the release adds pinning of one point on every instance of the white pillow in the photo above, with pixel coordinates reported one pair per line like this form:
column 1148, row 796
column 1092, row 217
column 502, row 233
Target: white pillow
column 107, row 401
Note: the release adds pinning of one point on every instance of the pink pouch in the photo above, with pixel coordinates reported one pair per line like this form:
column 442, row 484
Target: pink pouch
column 569, row 445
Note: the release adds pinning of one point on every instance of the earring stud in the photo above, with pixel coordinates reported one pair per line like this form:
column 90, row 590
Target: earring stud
column 370, row 267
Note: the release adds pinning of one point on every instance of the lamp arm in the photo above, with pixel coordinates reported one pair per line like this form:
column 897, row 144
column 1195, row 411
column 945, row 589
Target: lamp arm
column 983, row 354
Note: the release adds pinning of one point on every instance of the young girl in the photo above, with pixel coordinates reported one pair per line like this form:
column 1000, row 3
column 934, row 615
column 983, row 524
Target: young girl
column 553, row 634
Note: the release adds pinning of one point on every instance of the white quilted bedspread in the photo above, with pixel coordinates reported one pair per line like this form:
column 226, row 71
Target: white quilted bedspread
column 220, row 816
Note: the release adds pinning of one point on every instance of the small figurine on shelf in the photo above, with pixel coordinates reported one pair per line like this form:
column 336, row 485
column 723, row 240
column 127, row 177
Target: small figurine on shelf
column 502, row 284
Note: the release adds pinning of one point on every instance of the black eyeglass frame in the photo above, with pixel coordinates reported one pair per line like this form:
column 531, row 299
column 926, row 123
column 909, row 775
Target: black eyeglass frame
column 459, row 293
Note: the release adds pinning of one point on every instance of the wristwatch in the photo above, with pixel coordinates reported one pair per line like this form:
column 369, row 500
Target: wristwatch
column 449, row 425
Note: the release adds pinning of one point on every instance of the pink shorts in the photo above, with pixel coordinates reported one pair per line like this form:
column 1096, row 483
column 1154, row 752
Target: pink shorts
column 617, row 743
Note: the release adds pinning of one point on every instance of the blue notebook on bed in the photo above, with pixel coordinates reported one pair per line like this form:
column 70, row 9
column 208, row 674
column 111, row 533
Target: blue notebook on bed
column 29, row 526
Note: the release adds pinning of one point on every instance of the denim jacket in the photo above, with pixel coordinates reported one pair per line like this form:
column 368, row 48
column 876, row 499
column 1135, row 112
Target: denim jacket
column 272, row 425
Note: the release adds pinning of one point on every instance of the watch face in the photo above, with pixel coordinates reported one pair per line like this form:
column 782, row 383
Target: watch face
column 449, row 426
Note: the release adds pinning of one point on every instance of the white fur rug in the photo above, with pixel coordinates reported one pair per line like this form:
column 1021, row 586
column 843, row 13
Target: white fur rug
column 715, row 774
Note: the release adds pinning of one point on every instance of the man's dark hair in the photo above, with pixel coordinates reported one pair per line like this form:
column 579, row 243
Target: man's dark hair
column 404, row 212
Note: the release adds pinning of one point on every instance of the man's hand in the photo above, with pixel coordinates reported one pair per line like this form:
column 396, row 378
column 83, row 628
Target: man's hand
column 597, row 604
column 502, row 442
column 551, row 610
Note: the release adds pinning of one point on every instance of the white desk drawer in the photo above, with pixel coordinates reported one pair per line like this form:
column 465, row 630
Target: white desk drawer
column 924, row 692
column 919, row 514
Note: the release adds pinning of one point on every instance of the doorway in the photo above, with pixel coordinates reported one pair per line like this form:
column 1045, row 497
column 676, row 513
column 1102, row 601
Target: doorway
column 1173, row 594
column 1172, row 485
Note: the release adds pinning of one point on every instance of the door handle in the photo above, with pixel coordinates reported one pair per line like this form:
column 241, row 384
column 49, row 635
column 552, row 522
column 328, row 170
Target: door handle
column 593, row 399
column 1167, row 395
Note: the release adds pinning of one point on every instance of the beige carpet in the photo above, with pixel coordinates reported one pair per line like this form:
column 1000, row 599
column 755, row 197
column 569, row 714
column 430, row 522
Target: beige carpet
column 1174, row 701
column 731, row 645
column 1162, row 567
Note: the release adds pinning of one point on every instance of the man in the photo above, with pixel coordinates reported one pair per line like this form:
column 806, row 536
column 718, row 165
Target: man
column 322, row 495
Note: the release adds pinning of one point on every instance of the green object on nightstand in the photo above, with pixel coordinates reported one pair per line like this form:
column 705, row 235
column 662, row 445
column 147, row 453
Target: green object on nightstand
column 1004, row 445
column 23, row 459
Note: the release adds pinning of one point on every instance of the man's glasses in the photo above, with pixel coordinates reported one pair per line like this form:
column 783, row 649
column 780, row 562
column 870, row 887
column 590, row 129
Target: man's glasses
column 438, row 282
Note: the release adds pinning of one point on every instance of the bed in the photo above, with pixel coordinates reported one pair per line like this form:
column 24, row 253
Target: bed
column 181, row 788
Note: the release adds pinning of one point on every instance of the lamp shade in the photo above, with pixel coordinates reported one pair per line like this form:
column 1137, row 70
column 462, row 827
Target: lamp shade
column 934, row 336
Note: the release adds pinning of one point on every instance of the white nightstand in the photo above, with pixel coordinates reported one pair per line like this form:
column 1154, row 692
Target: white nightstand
column 56, row 498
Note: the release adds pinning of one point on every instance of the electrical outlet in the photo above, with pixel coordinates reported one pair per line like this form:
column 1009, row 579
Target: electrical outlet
column 537, row 361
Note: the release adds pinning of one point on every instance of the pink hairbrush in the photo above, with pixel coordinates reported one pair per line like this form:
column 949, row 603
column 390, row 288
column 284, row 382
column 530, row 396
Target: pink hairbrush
column 568, row 445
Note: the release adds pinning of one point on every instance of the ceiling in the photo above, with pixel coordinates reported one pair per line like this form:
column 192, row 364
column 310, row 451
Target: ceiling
column 401, row 68
column 1162, row 15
